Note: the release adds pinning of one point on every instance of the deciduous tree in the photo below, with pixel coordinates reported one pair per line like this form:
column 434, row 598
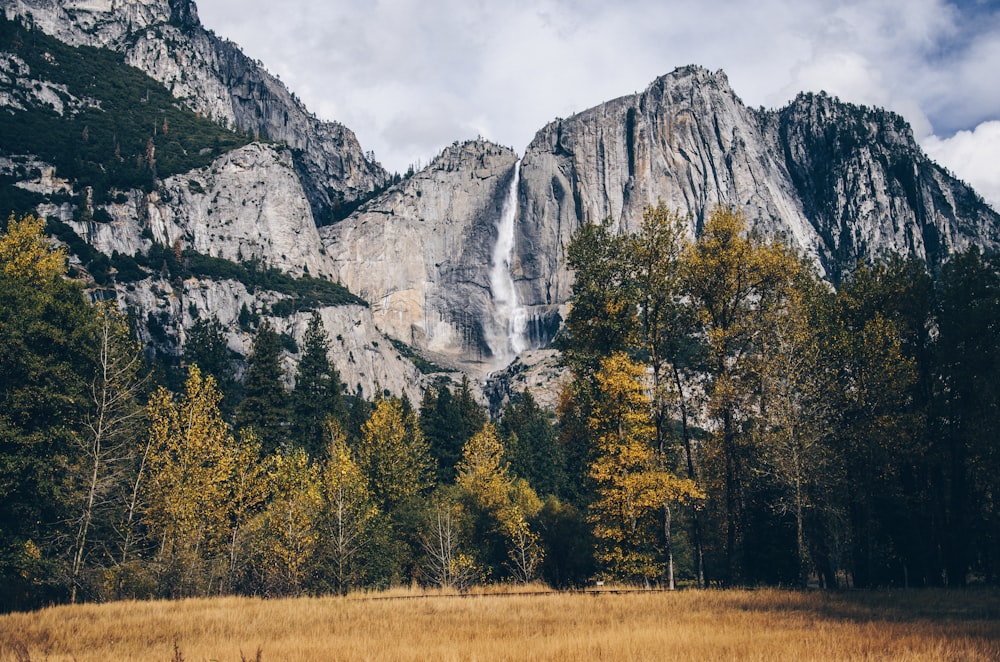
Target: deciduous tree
column 349, row 510
column 632, row 485
column 190, row 465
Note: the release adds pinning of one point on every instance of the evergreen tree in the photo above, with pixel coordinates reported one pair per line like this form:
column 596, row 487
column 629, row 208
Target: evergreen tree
column 264, row 407
column 47, row 357
column 472, row 414
column 317, row 397
column 443, row 428
column 205, row 346
column 531, row 444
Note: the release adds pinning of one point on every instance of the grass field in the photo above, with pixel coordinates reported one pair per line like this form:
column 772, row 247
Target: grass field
column 688, row 625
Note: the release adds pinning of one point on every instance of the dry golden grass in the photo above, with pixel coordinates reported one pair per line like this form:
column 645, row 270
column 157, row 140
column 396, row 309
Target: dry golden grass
column 690, row 625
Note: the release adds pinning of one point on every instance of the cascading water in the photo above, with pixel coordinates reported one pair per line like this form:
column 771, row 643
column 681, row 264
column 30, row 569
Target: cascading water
column 510, row 319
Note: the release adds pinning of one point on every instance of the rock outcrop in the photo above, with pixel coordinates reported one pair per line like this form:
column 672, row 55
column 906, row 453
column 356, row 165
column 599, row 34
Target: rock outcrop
column 247, row 205
column 838, row 182
column 367, row 362
column 165, row 39
column 421, row 254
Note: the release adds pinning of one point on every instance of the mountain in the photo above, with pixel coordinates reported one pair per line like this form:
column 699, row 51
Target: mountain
column 179, row 161
column 213, row 77
column 839, row 182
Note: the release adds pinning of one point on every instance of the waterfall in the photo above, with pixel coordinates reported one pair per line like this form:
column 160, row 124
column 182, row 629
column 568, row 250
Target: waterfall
column 510, row 319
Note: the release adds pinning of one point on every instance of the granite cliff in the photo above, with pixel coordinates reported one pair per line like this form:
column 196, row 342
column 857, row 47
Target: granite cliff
column 212, row 76
column 463, row 261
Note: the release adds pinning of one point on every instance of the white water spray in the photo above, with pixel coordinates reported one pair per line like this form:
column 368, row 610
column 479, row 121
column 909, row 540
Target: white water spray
column 510, row 317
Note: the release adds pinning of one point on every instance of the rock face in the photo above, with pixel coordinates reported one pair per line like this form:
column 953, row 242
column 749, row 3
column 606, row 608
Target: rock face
column 367, row 362
column 421, row 254
column 212, row 76
column 838, row 182
column 247, row 205
column 430, row 254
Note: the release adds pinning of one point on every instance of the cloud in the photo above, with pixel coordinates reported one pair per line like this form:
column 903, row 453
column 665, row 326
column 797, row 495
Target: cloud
column 973, row 157
column 410, row 78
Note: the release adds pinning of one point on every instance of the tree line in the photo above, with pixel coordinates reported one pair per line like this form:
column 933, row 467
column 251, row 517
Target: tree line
column 844, row 435
column 120, row 480
column 732, row 419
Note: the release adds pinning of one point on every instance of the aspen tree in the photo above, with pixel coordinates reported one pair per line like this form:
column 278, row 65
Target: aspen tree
column 111, row 429
column 393, row 454
column 190, row 465
column 349, row 509
column 632, row 486
column 289, row 525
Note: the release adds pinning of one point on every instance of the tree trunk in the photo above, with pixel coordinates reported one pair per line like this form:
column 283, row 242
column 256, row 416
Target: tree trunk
column 689, row 457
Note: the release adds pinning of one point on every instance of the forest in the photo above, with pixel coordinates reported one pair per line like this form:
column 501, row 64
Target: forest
column 732, row 420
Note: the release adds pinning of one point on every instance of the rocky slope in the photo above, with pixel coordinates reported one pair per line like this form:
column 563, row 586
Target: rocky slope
column 165, row 39
column 838, row 182
column 247, row 205
column 430, row 254
column 421, row 254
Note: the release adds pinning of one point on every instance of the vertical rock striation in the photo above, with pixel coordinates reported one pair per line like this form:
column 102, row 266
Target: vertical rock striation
column 421, row 253
column 213, row 76
column 838, row 182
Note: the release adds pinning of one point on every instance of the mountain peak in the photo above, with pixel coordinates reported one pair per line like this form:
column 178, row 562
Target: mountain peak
column 184, row 13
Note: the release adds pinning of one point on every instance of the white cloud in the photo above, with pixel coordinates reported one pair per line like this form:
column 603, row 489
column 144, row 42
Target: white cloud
column 973, row 156
column 410, row 78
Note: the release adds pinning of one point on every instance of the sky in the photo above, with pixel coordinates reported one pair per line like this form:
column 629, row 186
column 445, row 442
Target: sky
column 410, row 77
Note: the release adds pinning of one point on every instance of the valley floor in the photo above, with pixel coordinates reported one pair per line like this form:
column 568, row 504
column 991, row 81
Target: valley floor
column 686, row 625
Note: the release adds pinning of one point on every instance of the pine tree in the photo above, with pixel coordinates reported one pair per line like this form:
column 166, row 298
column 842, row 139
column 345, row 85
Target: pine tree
column 264, row 407
column 532, row 448
column 317, row 396
column 205, row 346
column 444, row 430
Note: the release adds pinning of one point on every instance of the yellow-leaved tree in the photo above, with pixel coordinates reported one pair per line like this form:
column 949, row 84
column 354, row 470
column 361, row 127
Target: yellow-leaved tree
column 26, row 254
column 394, row 454
column 289, row 532
column 631, row 484
column 349, row 510
column 248, row 490
column 502, row 505
column 190, row 465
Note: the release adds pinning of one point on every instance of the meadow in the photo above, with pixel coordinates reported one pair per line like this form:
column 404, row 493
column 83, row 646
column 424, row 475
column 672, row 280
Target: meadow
column 544, row 625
